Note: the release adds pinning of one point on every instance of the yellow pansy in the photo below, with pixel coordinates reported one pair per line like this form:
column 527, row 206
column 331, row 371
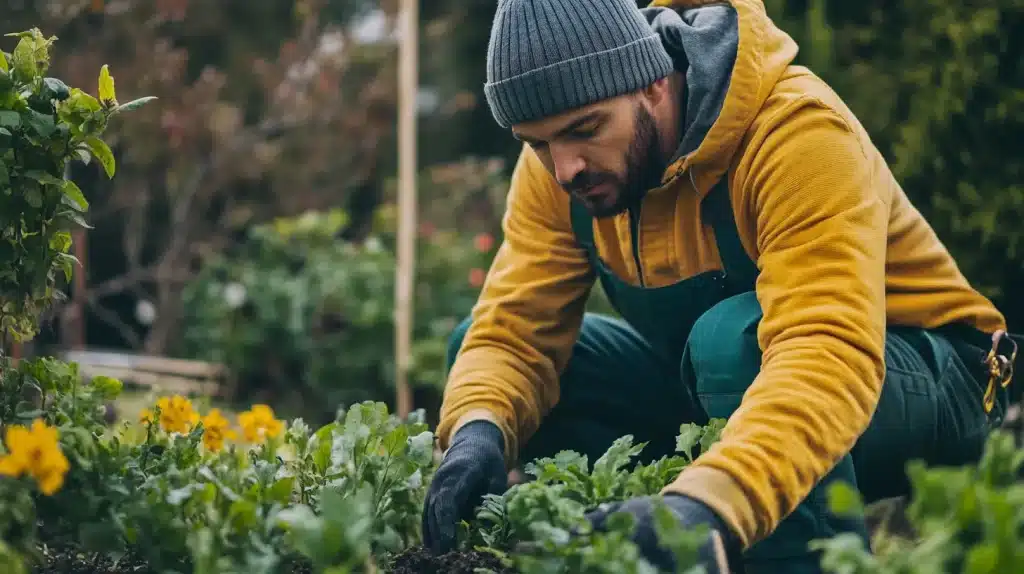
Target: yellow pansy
column 259, row 423
column 35, row 451
column 216, row 429
column 177, row 414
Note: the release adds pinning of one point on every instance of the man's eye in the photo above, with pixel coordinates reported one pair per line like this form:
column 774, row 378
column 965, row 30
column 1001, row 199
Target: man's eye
column 583, row 134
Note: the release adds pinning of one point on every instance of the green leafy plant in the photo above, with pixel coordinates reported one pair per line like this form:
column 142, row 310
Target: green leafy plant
column 330, row 500
column 44, row 124
column 49, row 421
column 539, row 525
column 965, row 520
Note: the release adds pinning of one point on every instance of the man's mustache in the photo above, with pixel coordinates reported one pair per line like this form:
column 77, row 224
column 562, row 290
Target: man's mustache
column 585, row 181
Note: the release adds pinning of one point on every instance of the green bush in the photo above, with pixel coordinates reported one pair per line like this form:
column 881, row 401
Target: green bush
column 44, row 125
column 303, row 315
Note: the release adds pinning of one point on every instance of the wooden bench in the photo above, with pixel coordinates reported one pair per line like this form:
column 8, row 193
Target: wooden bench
column 162, row 374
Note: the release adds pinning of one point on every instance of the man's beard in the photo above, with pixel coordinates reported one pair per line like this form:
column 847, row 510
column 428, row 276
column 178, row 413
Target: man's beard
column 644, row 168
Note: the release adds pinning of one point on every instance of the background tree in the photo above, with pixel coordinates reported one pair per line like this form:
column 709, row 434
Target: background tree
column 266, row 109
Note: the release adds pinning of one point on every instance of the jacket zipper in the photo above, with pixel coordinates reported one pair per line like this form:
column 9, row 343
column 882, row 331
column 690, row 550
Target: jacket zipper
column 634, row 228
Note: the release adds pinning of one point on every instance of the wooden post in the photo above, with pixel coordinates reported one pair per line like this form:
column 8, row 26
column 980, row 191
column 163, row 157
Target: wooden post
column 405, row 270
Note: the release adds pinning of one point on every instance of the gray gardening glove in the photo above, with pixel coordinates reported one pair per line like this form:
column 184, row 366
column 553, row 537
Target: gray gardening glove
column 690, row 513
column 473, row 466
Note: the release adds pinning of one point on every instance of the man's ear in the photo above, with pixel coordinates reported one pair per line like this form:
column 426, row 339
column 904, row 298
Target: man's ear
column 656, row 92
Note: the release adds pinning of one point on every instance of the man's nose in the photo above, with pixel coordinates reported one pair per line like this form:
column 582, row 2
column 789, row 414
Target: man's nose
column 567, row 164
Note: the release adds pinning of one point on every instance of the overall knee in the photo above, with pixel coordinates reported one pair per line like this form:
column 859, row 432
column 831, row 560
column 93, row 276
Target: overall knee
column 455, row 342
column 723, row 356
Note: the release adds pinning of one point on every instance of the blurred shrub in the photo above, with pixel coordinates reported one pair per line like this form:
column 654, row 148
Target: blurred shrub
column 308, row 317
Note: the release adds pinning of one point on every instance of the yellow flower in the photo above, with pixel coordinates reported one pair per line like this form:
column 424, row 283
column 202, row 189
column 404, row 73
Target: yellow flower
column 37, row 453
column 259, row 423
column 216, row 429
column 177, row 414
column 146, row 416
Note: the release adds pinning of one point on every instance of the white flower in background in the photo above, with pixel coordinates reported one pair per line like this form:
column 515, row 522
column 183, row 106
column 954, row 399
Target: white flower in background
column 373, row 245
column 428, row 100
column 145, row 312
column 234, row 295
column 373, row 28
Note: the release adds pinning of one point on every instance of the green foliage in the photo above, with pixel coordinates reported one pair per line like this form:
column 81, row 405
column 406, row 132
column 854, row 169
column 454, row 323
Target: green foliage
column 299, row 310
column 348, row 496
column 326, row 499
column 967, row 520
column 44, row 125
column 539, row 526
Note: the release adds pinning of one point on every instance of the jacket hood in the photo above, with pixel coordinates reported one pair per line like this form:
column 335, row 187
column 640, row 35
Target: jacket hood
column 732, row 54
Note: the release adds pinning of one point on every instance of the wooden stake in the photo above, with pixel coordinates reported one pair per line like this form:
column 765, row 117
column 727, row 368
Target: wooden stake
column 406, row 270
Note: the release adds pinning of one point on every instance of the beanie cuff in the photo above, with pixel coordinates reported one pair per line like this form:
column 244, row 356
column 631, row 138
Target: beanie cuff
column 573, row 83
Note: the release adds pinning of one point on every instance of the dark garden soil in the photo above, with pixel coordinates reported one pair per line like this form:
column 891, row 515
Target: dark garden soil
column 413, row 561
column 419, row 560
column 70, row 561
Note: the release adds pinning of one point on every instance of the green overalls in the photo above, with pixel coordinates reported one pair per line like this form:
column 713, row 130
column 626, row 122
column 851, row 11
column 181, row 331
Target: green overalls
column 687, row 352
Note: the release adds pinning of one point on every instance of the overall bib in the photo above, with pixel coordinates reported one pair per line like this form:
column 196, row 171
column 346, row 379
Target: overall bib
column 688, row 351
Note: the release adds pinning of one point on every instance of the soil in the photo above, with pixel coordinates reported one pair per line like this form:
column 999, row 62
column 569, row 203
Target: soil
column 416, row 560
column 419, row 560
column 72, row 562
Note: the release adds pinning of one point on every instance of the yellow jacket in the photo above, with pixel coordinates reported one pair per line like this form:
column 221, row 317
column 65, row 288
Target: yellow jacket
column 841, row 252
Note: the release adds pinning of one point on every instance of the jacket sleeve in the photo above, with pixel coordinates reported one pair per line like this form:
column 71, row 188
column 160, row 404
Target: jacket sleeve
column 527, row 318
column 821, row 217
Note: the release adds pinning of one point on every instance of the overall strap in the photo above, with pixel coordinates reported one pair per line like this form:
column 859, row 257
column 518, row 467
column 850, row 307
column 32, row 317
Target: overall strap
column 582, row 225
column 740, row 272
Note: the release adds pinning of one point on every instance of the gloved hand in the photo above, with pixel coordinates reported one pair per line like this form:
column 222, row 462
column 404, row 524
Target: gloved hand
column 473, row 466
column 690, row 513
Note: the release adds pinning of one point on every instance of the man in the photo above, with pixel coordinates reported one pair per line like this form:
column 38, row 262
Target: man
column 768, row 268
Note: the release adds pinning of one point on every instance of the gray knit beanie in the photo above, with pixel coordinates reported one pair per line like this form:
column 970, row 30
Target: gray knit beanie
column 549, row 56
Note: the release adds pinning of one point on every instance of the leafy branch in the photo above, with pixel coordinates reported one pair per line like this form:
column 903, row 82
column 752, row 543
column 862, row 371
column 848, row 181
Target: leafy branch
column 44, row 125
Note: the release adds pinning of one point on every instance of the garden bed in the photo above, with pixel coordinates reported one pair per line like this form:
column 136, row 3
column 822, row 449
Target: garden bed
column 184, row 491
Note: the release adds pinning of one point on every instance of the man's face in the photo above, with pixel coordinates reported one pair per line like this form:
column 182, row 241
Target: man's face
column 607, row 155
